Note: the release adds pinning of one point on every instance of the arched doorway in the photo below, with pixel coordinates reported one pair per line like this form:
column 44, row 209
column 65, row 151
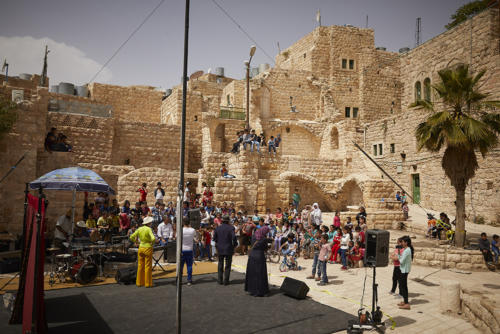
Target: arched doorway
column 219, row 143
column 350, row 195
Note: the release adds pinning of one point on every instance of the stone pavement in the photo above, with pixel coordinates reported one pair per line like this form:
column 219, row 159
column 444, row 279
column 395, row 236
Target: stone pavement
column 345, row 289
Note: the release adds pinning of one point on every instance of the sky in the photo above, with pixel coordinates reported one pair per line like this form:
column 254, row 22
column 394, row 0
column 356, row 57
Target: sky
column 83, row 35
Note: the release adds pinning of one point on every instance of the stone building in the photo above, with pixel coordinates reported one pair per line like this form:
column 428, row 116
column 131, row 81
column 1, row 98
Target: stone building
column 329, row 90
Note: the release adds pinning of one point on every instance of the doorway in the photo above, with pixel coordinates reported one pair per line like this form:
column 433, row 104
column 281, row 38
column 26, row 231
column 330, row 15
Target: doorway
column 416, row 188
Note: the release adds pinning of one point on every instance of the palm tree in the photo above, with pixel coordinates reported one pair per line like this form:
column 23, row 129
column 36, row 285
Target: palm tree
column 464, row 123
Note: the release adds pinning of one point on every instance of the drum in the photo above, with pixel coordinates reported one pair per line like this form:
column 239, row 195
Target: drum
column 83, row 272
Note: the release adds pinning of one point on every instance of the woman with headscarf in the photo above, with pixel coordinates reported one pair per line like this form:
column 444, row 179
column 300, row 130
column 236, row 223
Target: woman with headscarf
column 316, row 215
column 256, row 283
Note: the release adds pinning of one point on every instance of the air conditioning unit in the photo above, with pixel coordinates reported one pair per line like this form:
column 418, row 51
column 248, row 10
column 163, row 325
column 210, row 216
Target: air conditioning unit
column 17, row 95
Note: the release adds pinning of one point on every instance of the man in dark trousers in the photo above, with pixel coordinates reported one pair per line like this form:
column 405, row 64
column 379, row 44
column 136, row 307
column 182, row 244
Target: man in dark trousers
column 225, row 240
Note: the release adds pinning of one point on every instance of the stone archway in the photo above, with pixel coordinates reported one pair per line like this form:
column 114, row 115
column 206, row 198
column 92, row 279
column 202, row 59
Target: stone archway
column 219, row 139
column 350, row 195
column 310, row 190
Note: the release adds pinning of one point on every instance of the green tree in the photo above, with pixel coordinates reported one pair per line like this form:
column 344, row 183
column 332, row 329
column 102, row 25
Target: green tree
column 465, row 11
column 8, row 115
column 465, row 123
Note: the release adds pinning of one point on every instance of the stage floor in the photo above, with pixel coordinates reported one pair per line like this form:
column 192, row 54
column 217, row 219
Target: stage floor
column 207, row 308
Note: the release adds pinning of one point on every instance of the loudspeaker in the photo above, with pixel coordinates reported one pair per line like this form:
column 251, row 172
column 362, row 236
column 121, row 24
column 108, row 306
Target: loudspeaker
column 377, row 248
column 194, row 218
column 294, row 288
column 171, row 252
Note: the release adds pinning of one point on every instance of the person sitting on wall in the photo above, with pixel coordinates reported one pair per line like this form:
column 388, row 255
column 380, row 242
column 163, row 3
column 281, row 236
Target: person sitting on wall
column 239, row 140
column 50, row 140
column 224, row 172
column 247, row 139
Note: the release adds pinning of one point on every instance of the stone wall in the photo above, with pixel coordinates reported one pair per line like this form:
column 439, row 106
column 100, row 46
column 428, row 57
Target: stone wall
column 481, row 311
column 133, row 103
column 24, row 139
column 91, row 137
column 142, row 144
column 130, row 182
column 449, row 258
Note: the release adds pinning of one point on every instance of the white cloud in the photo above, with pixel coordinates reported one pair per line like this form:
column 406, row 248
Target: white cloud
column 66, row 63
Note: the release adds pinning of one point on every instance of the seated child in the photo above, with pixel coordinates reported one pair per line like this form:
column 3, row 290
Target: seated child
column 289, row 247
column 494, row 247
column 357, row 255
column 350, row 253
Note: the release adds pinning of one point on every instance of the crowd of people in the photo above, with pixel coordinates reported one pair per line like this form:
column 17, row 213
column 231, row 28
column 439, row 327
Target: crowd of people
column 250, row 138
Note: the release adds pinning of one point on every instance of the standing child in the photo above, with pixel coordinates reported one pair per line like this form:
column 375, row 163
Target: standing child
column 270, row 145
column 324, row 254
column 344, row 247
column 396, row 273
column 336, row 246
column 316, row 246
column 405, row 210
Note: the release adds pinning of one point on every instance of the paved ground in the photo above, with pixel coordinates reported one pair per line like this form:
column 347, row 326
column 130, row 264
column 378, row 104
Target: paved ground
column 345, row 290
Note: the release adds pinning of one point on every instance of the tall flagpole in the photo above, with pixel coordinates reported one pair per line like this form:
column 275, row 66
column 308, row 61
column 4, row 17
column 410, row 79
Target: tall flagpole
column 180, row 194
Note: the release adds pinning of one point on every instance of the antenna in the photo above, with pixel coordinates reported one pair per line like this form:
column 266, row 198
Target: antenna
column 366, row 24
column 44, row 70
column 279, row 49
column 418, row 30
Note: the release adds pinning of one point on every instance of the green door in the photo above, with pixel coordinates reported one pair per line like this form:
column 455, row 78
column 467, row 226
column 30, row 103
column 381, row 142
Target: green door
column 416, row 188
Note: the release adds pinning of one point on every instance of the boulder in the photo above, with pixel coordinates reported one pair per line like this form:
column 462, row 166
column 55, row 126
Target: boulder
column 450, row 296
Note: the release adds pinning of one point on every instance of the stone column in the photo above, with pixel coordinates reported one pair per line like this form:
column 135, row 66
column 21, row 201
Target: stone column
column 450, row 296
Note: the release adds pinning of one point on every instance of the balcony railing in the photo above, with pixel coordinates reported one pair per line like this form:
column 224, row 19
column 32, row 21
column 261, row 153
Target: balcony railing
column 232, row 113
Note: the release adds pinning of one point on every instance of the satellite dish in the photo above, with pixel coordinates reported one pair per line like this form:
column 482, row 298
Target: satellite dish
column 196, row 75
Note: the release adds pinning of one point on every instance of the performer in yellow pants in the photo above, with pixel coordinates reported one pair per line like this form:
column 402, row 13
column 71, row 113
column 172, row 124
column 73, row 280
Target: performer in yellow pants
column 145, row 255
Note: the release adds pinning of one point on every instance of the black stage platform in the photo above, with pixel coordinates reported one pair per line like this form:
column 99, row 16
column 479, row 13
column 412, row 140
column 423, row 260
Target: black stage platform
column 207, row 308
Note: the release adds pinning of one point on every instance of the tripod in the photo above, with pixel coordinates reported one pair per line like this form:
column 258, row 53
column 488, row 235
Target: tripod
column 368, row 321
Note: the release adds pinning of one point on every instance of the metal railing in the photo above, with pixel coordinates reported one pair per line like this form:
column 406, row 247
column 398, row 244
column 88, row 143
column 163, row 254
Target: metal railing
column 232, row 113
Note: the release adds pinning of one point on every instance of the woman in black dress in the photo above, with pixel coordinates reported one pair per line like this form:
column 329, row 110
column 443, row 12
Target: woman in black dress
column 256, row 283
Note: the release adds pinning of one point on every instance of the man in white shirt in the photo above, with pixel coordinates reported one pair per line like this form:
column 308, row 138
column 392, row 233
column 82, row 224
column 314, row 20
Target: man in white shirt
column 188, row 238
column 165, row 230
column 63, row 230
column 159, row 193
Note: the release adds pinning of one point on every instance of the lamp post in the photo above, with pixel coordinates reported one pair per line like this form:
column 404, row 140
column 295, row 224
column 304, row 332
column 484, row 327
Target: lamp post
column 247, row 64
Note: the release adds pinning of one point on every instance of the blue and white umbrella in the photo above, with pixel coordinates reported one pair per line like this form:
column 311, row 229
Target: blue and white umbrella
column 72, row 179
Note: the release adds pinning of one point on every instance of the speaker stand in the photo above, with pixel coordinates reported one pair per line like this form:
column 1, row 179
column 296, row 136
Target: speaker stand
column 376, row 313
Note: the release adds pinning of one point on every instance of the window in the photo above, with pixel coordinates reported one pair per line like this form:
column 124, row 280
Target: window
column 304, row 55
column 344, row 63
column 380, row 149
column 393, row 148
column 351, row 64
column 347, row 112
column 355, row 112
column 418, row 91
column 228, row 97
column 427, row 89
column 375, row 150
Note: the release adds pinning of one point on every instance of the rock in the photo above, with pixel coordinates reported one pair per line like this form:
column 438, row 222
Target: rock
column 464, row 266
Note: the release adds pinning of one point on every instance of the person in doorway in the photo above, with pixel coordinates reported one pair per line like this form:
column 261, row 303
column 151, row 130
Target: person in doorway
column 256, row 281
column 225, row 241
column 145, row 236
column 188, row 238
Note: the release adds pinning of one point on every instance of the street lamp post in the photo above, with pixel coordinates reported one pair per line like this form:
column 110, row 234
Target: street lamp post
column 247, row 64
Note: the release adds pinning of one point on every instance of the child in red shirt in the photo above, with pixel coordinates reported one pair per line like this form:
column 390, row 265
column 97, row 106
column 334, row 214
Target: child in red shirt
column 143, row 192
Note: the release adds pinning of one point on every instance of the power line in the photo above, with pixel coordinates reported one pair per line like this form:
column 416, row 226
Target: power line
column 126, row 41
column 243, row 30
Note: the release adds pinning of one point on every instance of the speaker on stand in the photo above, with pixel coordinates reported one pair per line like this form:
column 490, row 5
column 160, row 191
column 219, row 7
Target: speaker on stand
column 376, row 255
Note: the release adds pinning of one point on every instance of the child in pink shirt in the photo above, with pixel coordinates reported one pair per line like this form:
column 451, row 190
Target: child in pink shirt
column 324, row 254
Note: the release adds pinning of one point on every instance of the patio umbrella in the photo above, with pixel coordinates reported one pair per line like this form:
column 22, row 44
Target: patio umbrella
column 73, row 179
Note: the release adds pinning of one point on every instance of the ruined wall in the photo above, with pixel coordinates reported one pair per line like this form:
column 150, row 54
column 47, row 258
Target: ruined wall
column 134, row 103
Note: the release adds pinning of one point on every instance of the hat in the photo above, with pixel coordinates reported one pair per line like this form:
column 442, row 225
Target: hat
column 147, row 220
column 81, row 224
